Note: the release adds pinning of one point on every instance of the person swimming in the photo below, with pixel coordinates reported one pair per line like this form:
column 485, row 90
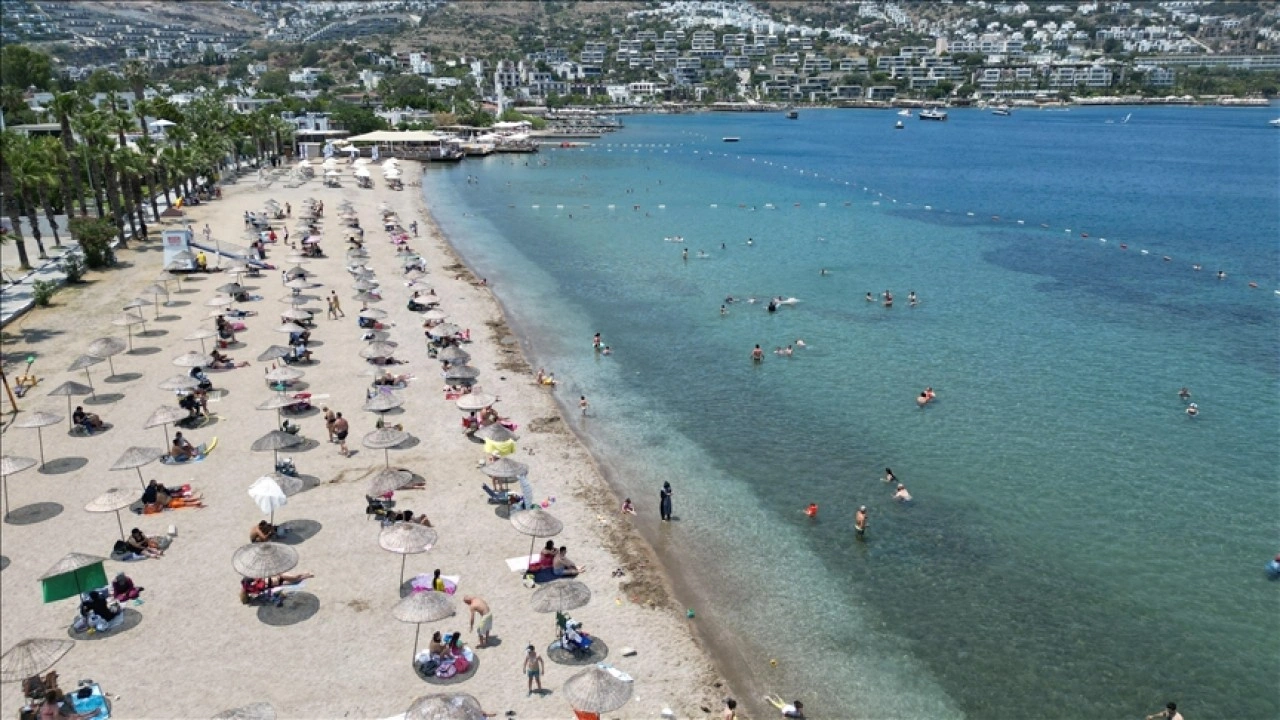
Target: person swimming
column 870, row 297
column 1193, row 410
column 1184, row 393
column 902, row 495
column 812, row 510
column 800, row 343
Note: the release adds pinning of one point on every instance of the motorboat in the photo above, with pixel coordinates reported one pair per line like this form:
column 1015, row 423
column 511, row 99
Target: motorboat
column 898, row 125
column 905, row 112
column 933, row 114
column 730, row 138
column 1275, row 123
column 1002, row 110
column 792, row 115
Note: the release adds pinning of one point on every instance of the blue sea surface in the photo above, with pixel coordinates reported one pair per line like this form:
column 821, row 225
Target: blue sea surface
column 1078, row 546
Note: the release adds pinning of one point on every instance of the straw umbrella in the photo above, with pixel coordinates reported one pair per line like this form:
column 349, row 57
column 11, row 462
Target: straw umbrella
column 219, row 301
column 32, row 657
column 422, row 607
column 560, row 596
column 284, row 373
column 536, row 523
column 68, row 389
column 113, row 500
column 381, row 349
column 475, row 401
column 596, row 690
column 504, row 469
column 39, row 420
column 383, row 402
column 289, row 328
column 264, row 560
column 274, row 352
column 300, row 284
column 256, row 711
column 445, row 329
column 11, row 465
column 453, row 355
column 84, row 362
column 383, row 440
column 202, row 334
column 496, row 432
column 105, row 348
column 389, row 479
column 136, row 304
column 366, row 297
column 445, row 707
column 166, row 415
column 461, row 372
column 135, row 457
column 372, row 314
column 406, row 538
column 295, row 313
column 179, row 382
column 127, row 320
column 155, row 292
column 275, row 441
column 268, row 495
column 232, row 289
column 276, row 402
column 193, row 359
column 364, row 285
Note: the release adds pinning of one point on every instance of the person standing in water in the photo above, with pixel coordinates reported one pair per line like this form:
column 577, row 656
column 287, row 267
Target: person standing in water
column 757, row 354
column 860, row 522
column 582, row 404
column 664, row 501
column 684, row 254
column 1185, row 394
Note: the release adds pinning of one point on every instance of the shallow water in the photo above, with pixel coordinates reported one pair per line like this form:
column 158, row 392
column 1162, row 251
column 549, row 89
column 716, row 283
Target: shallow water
column 1076, row 541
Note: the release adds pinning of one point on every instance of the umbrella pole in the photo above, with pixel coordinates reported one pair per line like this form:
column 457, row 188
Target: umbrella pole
column 128, row 329
column 86, row 377
column 140, row 480
column 202, row 349
column 7, row 506
column 121, row 524
column 71, row 424
column 40, row 438
column 112, row 364
column 272, row 521
column 167, row 443
column 529, row 564
column 386, row 455
column 403, row 559
column 416, row 633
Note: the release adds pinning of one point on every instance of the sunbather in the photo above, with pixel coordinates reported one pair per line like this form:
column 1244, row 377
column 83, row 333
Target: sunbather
column 562, row 566
column 409, row 517
column 263, row 532
column 140, row 544
column 253, row 587
column 181, row 450
column 123, row 588
column 87, row 420
column 223, row 362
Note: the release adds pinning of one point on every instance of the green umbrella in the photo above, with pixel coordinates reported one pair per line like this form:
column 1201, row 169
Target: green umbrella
column 74, row 574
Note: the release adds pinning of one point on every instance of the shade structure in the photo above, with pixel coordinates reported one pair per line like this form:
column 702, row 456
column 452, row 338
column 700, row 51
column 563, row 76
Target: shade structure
column 373, row 314
column 263, row 560
column 389, row 479
column 135, row 303
column 274, row 442
column 434, row 315
column 268, row 496
column 84, row 362
column 113, row 500
column 219, row 301
column 155, row 292
column 274, row 352
column 364, row 285
column 164, row 416
column 32, row 657
column 596, row 690
column 193, row 359
column 72, row 575
column 461, row 372
column 39, row 420
column 415, row 274
column 383, row 402
column 126, row 319
column 288, row 328
column 445, row 707
column 179, row 382
column 536, row 522
column 504, row 468
column 276, row 402
column 405, row 539
column 202, row 334
column 444, row 329
column 107, row 347
column 68, row 389
column 385, row 439
column 421, row 607
column 366, row 297
column 232, row 289
column 136, row 457
column 297, row 271
column 475, row 401
column 297, row 314
column 300, row 284
column 560, row 596
column 284, row 373
column 496, row 432
column 453, row 355
column 9, row 465
column 255, row 711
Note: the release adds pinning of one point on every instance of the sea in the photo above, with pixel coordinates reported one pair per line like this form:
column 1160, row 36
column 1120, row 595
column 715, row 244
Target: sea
column 1077, row 545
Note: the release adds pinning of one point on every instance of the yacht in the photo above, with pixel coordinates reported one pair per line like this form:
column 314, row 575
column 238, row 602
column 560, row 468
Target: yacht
column 1275, row 123
column 898, row 125
column 792, row 115
column 1002, row 110
column 730, row 138
column 933, row 114
column 905, row 112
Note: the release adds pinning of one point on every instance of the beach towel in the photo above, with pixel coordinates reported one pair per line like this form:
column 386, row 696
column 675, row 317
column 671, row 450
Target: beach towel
column 522, row 563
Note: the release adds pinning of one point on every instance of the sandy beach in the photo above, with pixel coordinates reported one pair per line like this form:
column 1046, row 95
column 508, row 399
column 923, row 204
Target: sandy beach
column 192, row 649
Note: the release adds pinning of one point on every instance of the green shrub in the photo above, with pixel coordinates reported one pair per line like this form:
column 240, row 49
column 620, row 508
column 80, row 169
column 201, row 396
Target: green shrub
column 73, row 267
column 95, row 237
column 42, row 291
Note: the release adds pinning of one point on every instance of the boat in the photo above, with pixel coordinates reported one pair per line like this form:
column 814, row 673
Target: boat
column 1002, row 110
column 792, row 115
column 730, row 138
column 898, row 125
column 933, row 114
column 445, row 152
column 1275, row 123
column 905, row 112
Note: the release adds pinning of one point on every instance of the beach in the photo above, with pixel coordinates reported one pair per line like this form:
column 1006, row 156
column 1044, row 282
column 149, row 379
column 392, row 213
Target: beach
column 333, row 649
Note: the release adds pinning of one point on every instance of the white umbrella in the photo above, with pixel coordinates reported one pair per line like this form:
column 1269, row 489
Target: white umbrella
column 266, row 492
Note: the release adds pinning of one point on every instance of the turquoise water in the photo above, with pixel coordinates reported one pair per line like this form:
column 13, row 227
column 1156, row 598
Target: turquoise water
column 1077, row 546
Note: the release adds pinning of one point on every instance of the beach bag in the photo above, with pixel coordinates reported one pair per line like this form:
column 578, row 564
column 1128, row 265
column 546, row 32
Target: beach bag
column 430, row 666
column 446, row 671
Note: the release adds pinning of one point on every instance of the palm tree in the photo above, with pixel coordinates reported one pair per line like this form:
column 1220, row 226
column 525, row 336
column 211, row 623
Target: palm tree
column 149, row 150
column 11, row 148
column 28, row 177
column 48, row 154
column 65, row 105
column 91, row 128
column 98, row 145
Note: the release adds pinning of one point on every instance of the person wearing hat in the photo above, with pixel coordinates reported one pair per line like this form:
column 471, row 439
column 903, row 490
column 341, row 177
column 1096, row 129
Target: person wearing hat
column 860, row 522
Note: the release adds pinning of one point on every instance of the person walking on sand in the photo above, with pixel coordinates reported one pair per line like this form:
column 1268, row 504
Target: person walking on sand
column 340, row 430
column 664, row 501
column 860, row 522
column 533, row 668
column 333, row 313
column 582, row 403
column 337, row 304
column 414, row 227
column 329, row 420
column 480, row 607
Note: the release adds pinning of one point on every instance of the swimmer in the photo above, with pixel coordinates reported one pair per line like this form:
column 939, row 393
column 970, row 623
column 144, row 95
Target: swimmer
column 1222, row 275
column 812, row 510
column 606, row 350
column 1185, row 394
column 870, row 298
column 595, row 341
column 722, row 246
column 860, row 522
column 788, row 351
column 684, row 254
column 902, row 495
column 749, row 242
column 793, row 709
column 922, row 399
column 800, row 343
column 724, row 310
column 823, row 271
column 728, row 299
column 889, row 476
column 757, row 354
column 929, row 393
column 1196, row 267
column 1193, row 410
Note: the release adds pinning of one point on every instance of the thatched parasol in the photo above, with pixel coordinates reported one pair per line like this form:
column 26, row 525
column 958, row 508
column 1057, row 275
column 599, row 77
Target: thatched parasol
column 475, row 401
column 202, row 334
column 384, row 440
column 275, row 441
column 113, row 500
column 389, row 479
column 274, row 352
column 135, row 457
column 461, row 372
column 383, row 402
column 10, row 465
column 32, row 657
column 166, row 415
column 536, row 522
column 84, row 362
column 106, row 347
column 179, row 382
column 68, row 389
column 264, row 560
column 495, row 432
column 39, row 420
column 193, row 359
column 445, row 707
column 560, row 596
column 421, row 607
column 406, row 538
column 596, row 690
column 256, row 711
column 504, row 468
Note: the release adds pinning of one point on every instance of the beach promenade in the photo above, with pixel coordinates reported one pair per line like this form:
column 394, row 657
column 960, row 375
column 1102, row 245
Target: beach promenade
column 333, row 649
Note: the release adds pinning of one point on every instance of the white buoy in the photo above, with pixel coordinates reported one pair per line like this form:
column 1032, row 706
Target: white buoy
column 822, row 204
column 662, row 207
column 928, row 207
column 535, row 207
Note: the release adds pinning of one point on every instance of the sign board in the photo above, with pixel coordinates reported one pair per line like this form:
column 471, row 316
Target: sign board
column 176, row 241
